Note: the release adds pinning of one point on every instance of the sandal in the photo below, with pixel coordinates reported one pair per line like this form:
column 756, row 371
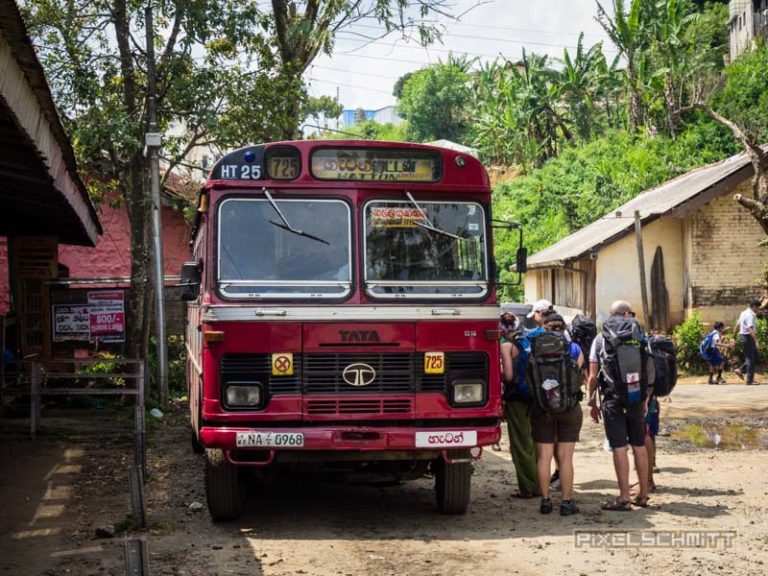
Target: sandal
column 640, row 502
column 617, row 505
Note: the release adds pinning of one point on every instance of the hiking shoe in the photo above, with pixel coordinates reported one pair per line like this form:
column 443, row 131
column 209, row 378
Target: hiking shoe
column 567, row 508
column 739, row 374
column 546, row 506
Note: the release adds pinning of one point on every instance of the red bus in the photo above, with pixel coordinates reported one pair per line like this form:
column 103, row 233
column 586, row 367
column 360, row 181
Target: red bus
column 342, row 316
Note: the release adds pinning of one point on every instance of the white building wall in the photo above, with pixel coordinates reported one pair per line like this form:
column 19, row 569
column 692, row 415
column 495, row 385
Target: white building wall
column 618, row 274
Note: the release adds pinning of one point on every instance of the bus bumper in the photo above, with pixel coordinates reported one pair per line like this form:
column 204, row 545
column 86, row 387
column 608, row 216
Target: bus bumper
column 348, row 438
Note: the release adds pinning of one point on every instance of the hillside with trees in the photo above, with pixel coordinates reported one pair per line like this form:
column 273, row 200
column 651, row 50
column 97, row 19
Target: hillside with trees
column 587, row 132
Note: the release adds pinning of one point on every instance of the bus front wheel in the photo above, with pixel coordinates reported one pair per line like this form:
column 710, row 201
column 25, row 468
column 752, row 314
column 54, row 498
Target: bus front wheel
column 453, row 482
column 225, row 486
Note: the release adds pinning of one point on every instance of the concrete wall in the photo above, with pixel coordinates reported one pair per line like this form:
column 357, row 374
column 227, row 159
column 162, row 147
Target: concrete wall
column 618, row 274
column 724, row 260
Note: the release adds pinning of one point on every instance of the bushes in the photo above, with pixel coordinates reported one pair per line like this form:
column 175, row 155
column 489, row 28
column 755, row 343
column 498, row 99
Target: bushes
column 688, row 337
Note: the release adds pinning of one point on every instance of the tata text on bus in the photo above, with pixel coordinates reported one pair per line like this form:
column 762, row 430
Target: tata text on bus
column 342, row 316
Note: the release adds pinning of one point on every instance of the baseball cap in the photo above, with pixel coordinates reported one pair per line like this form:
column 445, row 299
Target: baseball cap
column 554, row 317
column 538, row 306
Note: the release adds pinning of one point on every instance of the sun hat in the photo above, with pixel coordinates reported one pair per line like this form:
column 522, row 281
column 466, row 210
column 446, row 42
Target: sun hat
column 538, row 306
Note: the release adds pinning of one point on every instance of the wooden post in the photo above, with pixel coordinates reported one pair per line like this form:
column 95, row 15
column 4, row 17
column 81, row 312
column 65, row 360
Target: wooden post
column 140, row 451
column 647, row 320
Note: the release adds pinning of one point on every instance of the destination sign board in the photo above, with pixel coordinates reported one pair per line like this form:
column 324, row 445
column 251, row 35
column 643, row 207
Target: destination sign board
column 374, row 164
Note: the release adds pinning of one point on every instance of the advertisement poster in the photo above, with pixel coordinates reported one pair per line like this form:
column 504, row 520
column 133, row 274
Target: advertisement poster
column 106, row 312
column 71, row 323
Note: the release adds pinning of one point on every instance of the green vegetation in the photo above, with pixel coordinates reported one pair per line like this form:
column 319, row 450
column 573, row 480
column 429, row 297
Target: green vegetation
column 688, row 337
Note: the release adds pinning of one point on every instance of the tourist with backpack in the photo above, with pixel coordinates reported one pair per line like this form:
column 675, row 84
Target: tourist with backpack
column 514, row 350
column 621, row 367
column 709, row 349
column 554, row 378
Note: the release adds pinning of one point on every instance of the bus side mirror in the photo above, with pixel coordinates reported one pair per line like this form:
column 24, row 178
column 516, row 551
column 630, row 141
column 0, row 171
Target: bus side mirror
column 191, row 277
column 521, row 260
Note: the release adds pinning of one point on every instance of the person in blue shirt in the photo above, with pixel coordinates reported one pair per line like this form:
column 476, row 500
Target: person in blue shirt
column 710, row 351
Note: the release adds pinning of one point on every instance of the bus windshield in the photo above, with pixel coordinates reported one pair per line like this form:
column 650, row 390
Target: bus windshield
column 408, row 255
column 296, row 248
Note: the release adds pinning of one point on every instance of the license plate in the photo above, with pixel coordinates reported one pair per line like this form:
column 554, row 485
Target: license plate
column 270, row 439
column 446, row 438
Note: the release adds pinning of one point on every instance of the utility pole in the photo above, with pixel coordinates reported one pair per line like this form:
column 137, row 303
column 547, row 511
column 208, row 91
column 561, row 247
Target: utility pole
column 153, row 142
column 647, row 319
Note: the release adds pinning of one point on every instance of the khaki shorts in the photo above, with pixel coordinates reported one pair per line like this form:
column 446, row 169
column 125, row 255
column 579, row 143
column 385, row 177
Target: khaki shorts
column 551, row 428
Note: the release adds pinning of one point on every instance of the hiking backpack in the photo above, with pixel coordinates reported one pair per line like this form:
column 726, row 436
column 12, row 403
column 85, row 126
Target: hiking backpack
column 553, row 377
column 706, row 345
column 583, row 331
column 665, row 363
column 624, row 364
column 518, row 388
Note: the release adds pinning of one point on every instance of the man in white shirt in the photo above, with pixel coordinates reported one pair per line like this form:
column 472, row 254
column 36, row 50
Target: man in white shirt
column 748, row 339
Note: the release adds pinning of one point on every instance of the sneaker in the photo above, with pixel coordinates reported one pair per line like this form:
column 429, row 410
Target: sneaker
column 496, row 448
column 567, row 508
column 739, row 374
column 546, row 506
column 554, row 481
column 721, row 381
column 750, row 383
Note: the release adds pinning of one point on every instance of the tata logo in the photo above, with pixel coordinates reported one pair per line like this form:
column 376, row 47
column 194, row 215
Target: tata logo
column 358, row 374
column 359, row 336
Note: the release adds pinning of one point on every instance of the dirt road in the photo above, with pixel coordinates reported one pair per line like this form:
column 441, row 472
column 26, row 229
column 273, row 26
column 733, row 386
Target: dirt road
column 56, row 491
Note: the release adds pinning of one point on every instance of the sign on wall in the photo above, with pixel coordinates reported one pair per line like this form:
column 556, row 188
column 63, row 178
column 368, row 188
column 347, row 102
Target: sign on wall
column 102, row 319
column 71, row 323
column 107, row 315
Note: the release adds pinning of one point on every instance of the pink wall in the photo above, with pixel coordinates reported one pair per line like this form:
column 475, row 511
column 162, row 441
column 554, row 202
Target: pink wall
column 112, row 255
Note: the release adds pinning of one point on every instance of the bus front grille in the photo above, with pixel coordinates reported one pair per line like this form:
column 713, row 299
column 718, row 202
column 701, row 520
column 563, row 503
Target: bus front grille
column 323, row 374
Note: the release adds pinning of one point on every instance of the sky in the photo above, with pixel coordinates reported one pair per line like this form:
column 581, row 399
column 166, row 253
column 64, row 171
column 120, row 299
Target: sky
column 364, row 72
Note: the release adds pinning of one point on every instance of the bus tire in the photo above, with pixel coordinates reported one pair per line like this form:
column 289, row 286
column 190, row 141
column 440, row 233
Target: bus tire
column 197, row 448
column 453, row 485
column 225, row 487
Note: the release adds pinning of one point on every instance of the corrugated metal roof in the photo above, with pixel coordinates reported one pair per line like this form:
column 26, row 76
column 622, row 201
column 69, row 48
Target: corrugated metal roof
column 652, row 204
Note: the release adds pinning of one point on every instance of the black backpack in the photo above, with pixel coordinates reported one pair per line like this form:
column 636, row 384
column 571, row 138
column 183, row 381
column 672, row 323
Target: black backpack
column 665, row 362
column 583, row 331
column 624, row 360
column 553, row 377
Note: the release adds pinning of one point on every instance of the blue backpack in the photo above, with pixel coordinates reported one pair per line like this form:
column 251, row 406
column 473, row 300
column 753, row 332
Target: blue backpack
column 519, row 389
column 706, row 346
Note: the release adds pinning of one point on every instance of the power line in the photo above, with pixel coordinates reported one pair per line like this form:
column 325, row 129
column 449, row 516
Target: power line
column 354, row 72
column 352, row 86
column 470, row 37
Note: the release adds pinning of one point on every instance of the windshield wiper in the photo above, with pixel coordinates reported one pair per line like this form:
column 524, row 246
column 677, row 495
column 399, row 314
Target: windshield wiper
column 286, row 225
column 429, row 226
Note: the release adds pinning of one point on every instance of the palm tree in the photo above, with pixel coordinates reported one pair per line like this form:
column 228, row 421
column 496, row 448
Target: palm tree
column 626, row 33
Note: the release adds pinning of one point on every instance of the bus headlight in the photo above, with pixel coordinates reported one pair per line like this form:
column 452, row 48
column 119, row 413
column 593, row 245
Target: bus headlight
column 239, row 395
column 468, row 392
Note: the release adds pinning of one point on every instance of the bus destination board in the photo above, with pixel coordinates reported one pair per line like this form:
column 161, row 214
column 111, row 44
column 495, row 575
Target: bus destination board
column 373, row 164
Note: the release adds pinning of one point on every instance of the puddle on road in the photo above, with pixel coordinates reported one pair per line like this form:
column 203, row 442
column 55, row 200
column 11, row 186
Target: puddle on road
column 722, row 436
